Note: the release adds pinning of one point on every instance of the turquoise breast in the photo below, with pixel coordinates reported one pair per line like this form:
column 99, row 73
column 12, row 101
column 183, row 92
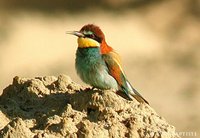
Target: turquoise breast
column 92, row 69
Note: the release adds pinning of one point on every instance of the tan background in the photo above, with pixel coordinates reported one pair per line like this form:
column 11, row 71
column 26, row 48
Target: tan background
column 159, row 43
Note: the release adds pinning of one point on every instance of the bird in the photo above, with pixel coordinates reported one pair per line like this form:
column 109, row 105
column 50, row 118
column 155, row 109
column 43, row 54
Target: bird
column 99, row 65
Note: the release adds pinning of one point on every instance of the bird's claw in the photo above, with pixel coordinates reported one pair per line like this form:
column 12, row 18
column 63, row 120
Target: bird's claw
column 88, row 89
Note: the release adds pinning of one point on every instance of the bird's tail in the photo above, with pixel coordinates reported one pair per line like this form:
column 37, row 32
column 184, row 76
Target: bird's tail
column 139, row 97
column 132, row 93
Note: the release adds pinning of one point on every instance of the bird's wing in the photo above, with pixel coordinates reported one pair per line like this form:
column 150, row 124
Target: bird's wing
column 113, row 62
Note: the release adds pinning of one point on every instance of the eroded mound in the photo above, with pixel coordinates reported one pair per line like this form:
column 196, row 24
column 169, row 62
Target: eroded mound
column 58, row 107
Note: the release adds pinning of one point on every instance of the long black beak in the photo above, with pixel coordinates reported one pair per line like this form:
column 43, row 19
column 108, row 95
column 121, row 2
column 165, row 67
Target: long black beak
column 76, row 33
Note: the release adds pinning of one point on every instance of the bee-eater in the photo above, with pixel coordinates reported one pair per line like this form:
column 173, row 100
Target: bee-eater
column 98, row 64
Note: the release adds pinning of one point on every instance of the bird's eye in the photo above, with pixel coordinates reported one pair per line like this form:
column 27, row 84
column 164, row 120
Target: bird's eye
column 91, row 36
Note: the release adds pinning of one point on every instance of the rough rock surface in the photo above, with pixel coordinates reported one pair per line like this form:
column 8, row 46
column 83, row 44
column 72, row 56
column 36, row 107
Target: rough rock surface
column 57, row 107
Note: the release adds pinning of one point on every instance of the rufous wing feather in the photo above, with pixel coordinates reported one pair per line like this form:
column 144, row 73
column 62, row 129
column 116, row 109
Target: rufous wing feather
column 113, row 63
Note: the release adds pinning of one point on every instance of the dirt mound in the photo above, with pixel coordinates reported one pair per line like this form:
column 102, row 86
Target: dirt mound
column 58, row 107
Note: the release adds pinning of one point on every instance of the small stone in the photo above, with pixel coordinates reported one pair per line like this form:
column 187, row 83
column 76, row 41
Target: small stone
column 63, row 81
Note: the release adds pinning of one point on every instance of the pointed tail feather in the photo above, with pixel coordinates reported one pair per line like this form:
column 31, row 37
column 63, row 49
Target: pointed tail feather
column 140, row 99
column 138, row 96
column 131, row 92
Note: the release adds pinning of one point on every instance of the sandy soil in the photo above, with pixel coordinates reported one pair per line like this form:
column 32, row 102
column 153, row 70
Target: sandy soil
column 57, row 107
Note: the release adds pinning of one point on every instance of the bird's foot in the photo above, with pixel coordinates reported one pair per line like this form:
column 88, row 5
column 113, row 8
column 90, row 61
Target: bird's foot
column 93, row 88
column 88, row 89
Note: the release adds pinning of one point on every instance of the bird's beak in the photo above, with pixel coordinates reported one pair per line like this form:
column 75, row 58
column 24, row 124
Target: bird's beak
column 76, row 33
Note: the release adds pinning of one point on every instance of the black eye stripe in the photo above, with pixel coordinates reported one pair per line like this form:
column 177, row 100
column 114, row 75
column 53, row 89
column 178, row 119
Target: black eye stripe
column 93, row 36
column 90, row 35
column 98, row 39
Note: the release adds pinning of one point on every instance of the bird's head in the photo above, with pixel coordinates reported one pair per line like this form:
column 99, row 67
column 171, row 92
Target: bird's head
column 89, row 36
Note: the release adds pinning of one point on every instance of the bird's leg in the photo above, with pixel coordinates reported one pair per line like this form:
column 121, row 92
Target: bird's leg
column 93, row 88
column 88, row 89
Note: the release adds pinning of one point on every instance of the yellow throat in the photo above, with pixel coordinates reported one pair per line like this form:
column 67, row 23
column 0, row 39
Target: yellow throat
column 87, row 42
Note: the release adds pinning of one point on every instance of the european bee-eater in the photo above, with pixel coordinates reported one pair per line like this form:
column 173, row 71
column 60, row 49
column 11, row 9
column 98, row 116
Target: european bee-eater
column 99, row 65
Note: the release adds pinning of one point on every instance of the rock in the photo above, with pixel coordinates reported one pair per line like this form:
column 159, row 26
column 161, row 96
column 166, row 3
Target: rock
column 16, row 129
column 58, row 107
column 3, row 120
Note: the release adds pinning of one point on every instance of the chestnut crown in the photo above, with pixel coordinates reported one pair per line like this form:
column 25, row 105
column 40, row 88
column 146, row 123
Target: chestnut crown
column 92, row 31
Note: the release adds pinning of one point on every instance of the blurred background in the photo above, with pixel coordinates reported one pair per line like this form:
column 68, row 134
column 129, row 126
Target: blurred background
column 158, row 40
